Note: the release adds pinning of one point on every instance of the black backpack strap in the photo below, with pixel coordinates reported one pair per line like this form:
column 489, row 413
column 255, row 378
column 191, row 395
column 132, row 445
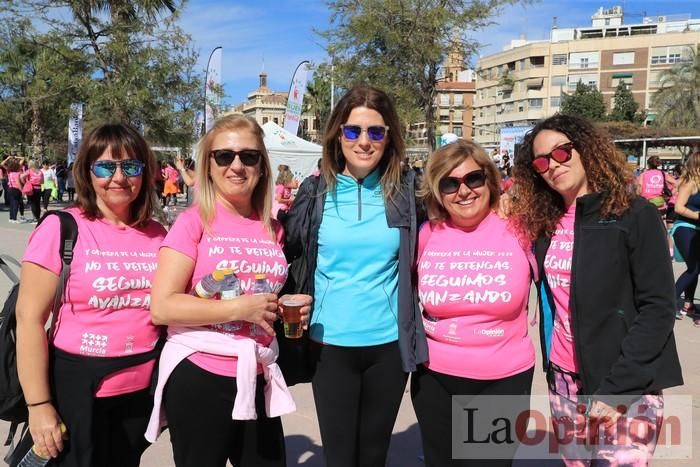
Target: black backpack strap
column 69, row 236
column 5, row 267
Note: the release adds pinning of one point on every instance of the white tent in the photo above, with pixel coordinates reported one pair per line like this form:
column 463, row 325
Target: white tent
column 285, row 148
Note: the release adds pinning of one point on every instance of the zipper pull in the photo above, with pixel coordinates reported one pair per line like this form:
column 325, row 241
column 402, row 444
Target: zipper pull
column 359, row 198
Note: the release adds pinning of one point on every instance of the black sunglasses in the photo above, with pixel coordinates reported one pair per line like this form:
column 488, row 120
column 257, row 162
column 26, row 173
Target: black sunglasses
column 474, row 179
column 560, row 154
column 374, row 132
column 225, row 157
column 106, row 169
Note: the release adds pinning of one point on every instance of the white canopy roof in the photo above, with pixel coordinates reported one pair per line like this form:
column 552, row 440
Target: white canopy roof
column 285, row 148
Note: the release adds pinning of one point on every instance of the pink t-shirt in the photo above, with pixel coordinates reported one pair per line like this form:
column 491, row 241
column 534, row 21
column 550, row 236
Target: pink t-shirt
column 233, row 242
column 474, row 288
column 107, row 312
column 36, row 178
column 171, row 174
column 557, row 268
column 652, row 183
column 13, row 180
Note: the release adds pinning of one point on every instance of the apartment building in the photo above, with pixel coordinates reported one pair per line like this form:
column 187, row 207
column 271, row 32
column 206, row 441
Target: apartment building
column 454, row 100
column 525, row 82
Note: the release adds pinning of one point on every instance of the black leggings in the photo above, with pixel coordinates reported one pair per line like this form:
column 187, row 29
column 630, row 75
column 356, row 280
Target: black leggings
column 45, row 198
column 35, row 203
column 431, row 393
column 122, row 420
column 357, row 391
column 16, row 203
column 687, row 241
column 198, row 405
column 119, row 423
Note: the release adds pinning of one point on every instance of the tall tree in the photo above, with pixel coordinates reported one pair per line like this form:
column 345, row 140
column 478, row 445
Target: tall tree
column 38, row 79
column 141, row 62
column 400, row 45
column 625, row 108
column 677, row 102
column 585, row 102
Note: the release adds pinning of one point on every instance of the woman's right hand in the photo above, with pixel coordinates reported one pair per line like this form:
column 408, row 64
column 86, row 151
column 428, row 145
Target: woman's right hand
column 260, row 309
column 179, row 163
column 45, row 428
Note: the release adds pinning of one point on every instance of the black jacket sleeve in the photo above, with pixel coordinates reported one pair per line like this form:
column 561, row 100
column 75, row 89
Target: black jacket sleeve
column 297, row 220
column 654, row 295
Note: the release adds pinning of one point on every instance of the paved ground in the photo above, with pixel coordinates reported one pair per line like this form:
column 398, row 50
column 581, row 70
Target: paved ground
column 301, row 429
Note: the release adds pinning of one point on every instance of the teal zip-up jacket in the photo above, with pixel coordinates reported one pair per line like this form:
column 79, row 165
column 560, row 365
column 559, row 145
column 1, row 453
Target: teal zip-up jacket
column 302, row 224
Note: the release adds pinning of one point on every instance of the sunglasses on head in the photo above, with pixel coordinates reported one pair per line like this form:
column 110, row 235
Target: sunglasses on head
column 560, row 154
column 225, row 157
column 374, row 132
column 106, row 169
column 474, row 179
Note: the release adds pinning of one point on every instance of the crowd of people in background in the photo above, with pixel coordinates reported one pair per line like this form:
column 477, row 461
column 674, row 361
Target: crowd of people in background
column 383, row 252
column 26, row 182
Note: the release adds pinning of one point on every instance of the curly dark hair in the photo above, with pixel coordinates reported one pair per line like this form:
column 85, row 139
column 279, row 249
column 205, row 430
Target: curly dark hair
column 537, row 208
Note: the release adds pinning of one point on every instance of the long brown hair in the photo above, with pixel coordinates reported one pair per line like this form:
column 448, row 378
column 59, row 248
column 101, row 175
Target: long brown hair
column 537, row 208
column 691, row 170
column 123, row 141
column 442, row 162
column 206, row 192
column 333, row 160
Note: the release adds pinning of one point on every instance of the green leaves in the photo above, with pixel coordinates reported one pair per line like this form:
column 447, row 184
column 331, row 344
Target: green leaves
column 677, row 101
column 585, row 102
column 400, row 45
column 125, row 59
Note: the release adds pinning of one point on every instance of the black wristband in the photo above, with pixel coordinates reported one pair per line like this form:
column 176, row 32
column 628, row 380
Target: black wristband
column 48, row 401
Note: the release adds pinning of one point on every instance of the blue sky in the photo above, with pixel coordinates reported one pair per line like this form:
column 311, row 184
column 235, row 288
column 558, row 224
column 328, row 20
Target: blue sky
column 280, row 32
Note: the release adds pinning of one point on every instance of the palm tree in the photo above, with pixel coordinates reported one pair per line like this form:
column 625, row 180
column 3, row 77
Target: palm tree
column 677, row 101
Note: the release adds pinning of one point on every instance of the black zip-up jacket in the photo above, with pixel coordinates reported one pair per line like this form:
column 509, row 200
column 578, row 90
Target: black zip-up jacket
column 301, row 226
column 622, row 300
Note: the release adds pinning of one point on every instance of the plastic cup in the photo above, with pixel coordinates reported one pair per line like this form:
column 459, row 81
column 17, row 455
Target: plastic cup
column 291, row 317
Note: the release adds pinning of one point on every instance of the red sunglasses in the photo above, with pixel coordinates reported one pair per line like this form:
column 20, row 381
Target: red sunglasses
column 560, row 154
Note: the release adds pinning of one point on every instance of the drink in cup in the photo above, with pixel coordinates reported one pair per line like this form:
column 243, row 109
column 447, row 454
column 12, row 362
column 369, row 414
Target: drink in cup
column 291, row 316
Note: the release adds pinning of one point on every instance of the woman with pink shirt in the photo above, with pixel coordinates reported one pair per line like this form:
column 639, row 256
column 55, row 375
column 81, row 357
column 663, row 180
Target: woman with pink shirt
column 607, row 299
column 93, row 372
column 284, row 185
column 36, row 178
column 474, row 284
column 221, row 390
column 170, row 188
column 656, row 185
column 15, row 181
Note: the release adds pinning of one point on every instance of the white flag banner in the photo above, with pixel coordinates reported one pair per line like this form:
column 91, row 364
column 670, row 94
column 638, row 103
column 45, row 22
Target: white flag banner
column 295, row 98
column 198, row 125
column 212, row 94
column 75, row 130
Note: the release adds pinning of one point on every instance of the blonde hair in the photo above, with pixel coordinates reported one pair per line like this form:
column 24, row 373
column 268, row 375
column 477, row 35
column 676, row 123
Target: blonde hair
column 445, row 160
column 206, row 192
column 284, row 175
column 691, row 170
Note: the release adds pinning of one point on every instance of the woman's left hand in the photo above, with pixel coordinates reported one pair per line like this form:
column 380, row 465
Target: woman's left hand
column 305, row 309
